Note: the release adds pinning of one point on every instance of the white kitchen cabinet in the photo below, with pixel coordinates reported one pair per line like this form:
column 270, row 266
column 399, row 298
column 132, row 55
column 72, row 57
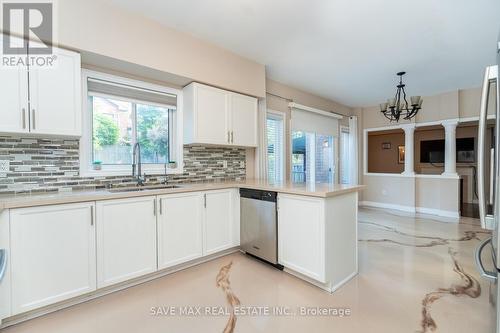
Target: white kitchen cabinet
column 126, row 239
column 301, row 235
column 243, row 120
column 219, row 117
column 55, row 96
column 180, row 228
column 42, row 100
column 52, row 254
column 206, row 115
column 219, row 221
column 13, row 96
column 5, row 285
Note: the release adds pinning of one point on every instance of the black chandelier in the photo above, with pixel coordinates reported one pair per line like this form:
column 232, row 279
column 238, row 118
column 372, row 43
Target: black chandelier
column 398, row 107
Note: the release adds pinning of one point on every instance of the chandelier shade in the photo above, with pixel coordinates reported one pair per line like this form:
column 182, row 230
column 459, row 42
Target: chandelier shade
column 398, row 107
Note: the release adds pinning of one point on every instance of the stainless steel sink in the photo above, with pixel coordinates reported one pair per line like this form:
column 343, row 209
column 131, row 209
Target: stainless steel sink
column 143, row 188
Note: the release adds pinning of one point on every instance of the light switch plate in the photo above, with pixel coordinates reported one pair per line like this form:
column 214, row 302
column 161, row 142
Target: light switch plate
column 4, row 166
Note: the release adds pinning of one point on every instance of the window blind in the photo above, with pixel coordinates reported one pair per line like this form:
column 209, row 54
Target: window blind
column 311, row 122
column 275, row 148
column 103, row 87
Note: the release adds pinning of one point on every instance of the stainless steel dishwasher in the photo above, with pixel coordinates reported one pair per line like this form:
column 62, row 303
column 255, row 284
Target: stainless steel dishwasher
column 259, row 224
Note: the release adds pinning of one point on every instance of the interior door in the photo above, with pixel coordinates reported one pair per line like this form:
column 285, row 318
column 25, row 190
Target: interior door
column 211, row 115
column 52, row 254
column 126, row 239
column 243, row 120
column 13, row 96
column 55, row 96
column 179, row 228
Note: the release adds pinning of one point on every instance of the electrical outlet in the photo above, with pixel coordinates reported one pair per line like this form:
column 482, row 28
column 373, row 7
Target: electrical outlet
column 4, row 166
column 224, row 164
column 242, row 164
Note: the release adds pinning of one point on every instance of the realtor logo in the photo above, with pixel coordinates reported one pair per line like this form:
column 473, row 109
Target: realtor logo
column 28, row 33
column 33, row 21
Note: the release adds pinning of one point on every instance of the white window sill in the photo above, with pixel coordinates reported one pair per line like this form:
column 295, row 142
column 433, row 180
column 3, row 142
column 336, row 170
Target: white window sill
column 149, row 170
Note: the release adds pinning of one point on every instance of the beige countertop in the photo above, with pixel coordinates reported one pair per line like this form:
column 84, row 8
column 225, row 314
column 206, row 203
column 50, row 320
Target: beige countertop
column 309, row 189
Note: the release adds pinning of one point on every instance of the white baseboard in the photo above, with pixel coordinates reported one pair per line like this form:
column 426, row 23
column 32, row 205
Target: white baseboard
column 410, row 209
column 438, row 212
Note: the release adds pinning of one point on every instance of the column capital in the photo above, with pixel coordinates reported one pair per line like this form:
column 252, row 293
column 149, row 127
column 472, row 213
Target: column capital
column 408, row 127
column 450, row 123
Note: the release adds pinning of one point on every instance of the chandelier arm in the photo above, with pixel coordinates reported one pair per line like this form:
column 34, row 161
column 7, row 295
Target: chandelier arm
column 404, row 97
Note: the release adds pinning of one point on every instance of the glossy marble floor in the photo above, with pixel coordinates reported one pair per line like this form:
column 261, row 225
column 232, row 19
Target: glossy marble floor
column 416, row 275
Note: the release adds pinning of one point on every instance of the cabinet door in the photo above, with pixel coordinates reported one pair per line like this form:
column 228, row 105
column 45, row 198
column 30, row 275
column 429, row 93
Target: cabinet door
column 13, row 96
column 219, row 216
column 55, row 96
column 301, row 235
column 211, row 115
column 179, row 228
column 243, row 120
column 126, row 239
column 52, row 254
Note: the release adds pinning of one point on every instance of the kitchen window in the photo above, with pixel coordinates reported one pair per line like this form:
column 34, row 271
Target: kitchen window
column 121, row 112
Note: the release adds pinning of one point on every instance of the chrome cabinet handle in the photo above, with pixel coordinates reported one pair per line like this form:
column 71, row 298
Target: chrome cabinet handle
column 91, row 215
column 479, row 263
column 228, row 136
column 161, row 206
column 154, row 207
column 33, row 120
column 3, row 263
column 490, row 74
column 232, row 137
column 24, row 118
column 205, row 200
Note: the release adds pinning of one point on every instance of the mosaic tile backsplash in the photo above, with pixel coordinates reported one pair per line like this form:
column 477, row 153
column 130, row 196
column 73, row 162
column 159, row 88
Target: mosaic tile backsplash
column 48, row 165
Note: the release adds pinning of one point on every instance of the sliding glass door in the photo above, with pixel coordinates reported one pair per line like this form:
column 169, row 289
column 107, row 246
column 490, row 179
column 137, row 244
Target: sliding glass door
column 313, row 158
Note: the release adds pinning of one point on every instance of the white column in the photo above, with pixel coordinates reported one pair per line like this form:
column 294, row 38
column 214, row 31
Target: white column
column 450, row 148
column 409, row 149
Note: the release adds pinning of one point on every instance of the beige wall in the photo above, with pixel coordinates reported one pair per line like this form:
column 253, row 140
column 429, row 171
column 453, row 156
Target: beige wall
column 390, row 190
column 469, row 102
column 462, row 103
column 128, row 37
column 385, row 160
column 277, row 99
column 437, row 194
column 301, row 97
column 439, row 107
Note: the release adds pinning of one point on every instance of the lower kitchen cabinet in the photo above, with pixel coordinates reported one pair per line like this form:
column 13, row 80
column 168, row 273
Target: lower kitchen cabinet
column 52, row 254
column 301, row 235
column 126, row 239
column 219, row 221
column 179, row 228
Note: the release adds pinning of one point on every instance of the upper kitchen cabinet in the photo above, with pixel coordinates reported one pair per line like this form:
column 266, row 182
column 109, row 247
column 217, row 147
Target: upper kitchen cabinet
column 14, row 96
column 42, row 99
column 55, row 96
column 219, row 117
column 243, row 120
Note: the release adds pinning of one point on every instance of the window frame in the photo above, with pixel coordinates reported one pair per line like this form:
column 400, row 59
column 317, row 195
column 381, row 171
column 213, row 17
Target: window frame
column 86, row 144
column 281, row 116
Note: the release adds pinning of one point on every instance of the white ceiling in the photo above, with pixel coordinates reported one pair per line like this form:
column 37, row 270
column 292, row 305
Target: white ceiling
column 346, row 50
